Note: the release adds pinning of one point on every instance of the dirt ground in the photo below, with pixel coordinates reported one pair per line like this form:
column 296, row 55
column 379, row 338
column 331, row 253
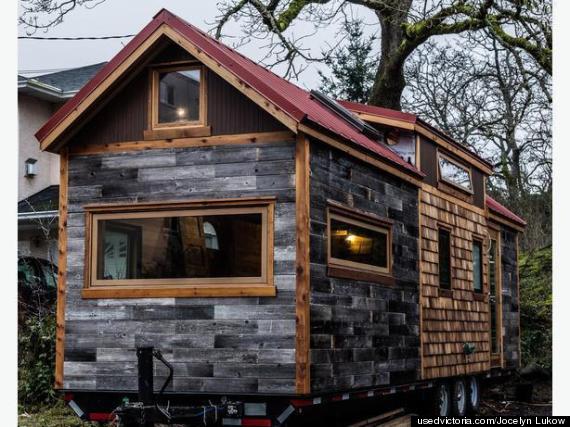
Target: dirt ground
column 501, row 400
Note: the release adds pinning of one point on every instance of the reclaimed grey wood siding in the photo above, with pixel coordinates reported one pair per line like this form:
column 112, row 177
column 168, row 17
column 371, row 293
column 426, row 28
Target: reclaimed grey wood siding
column 510, row 296
column 362, row 334
column 226, row 345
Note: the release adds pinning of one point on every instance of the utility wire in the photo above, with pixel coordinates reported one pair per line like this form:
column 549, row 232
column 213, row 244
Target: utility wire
column 76, row 38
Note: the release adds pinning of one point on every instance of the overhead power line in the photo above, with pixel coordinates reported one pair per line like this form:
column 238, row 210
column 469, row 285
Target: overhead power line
column 76, row 38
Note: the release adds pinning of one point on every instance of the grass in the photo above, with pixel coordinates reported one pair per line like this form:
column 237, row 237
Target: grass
column 57, row 415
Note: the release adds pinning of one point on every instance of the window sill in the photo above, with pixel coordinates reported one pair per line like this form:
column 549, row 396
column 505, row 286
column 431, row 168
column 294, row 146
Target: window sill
column 446, row 293
column 237, row 290
column 177, row 132
column 365, row 276
column 455, row 191
column 479, row 297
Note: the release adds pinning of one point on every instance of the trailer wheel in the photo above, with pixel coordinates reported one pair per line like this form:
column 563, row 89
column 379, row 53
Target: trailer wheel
column 474, row 394
column 442, row 400
column 459, row 398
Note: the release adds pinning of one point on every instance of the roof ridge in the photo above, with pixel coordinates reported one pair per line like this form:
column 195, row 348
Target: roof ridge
column 287, row 97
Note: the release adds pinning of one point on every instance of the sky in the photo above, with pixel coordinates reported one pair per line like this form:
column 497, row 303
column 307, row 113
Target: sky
column 118, row 17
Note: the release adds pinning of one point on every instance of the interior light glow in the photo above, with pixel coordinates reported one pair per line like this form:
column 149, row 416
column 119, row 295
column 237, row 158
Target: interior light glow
column 181, row 113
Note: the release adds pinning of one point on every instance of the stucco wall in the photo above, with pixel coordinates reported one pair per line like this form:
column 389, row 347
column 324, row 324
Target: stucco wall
column 32, row 114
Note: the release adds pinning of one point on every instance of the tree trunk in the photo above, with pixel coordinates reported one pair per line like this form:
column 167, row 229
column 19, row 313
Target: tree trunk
column 390, row 82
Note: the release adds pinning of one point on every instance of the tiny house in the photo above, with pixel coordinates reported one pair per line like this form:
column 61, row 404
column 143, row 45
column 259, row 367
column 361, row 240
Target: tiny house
column 274, row 249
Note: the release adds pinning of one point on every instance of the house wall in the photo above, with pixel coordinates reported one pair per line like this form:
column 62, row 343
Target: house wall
column 224, row 345
column 510, row 298
column 32, row 114
column 450, row 321
column 362, row 333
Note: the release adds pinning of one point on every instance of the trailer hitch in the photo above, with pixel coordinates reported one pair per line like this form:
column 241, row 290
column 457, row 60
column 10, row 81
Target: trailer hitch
column 148, row 409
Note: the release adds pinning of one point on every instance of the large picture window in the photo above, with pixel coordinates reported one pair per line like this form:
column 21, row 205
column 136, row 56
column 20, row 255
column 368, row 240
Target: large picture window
column 454, row 173
column 181, row 248
column 359, row 243
column 178, row 97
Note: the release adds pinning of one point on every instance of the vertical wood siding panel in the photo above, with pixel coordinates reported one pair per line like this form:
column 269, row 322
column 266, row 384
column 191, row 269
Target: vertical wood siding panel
column 124, row 118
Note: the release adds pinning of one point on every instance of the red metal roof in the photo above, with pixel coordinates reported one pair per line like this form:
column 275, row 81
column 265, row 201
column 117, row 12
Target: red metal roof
column 291, row 99
column 496, row 207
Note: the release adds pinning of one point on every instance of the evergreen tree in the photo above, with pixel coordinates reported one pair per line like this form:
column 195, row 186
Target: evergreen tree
column 353, row 69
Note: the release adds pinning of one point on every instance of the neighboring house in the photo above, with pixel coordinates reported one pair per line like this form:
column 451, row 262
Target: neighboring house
column 270, row 241
column 38, row 172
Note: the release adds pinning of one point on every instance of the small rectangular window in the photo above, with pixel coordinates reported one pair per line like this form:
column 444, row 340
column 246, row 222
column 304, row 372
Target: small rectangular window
column 360, row 244
column 180, row 248
column 444, row 247
column 477, row 266
column 454, row 173
column 178, row 94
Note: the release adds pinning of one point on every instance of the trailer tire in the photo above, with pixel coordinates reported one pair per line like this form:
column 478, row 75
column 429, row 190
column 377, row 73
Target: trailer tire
column 459, row 397
column 473, row 395
column 441, row 400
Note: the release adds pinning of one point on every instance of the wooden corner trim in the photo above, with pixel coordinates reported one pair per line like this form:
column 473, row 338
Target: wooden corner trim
column 302, row 266
column 62, row 269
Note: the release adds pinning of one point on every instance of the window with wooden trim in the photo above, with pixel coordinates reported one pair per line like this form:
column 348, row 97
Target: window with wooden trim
column 359, row 242
column 477, row 266
column 178, row 96
column 180, row 249
column 454, row 173
column 444, row 249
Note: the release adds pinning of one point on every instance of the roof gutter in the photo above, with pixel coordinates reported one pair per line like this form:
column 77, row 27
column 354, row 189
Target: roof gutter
column 45, row 89
column 27, row 216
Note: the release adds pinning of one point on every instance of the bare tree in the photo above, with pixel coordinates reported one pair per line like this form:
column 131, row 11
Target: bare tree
column 481, row 92
column 44, row 14
column 404, row 26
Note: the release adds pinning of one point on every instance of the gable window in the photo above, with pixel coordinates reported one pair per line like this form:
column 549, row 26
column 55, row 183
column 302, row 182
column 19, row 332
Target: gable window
column 454, row 173
column 359, row 243
column 444, row 248
column 477, row 266
column 178, row 101
column 181, row 249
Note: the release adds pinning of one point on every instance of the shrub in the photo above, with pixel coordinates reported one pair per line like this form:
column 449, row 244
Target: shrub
column 36, row 355
column 536, row 307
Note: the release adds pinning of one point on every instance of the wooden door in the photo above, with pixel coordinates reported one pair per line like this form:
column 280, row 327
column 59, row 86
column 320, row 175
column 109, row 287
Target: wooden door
column 495, row 299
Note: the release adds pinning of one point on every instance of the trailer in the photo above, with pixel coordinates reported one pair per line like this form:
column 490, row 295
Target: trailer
column 236, row 250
